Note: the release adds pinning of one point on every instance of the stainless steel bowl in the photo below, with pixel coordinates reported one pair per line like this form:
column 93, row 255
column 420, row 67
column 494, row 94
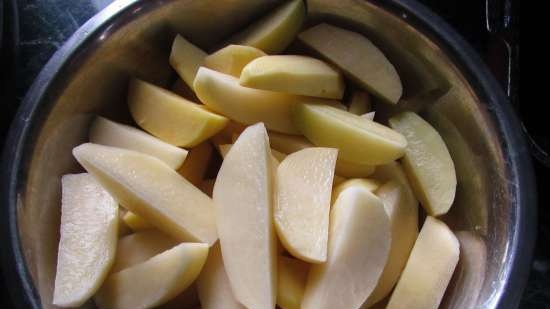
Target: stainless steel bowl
column 444, row 80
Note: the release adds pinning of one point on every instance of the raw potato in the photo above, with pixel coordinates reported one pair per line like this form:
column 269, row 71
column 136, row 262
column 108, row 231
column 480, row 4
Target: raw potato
column 299, row 75
column 123, row 229
column 291, row 143
column 109, row 133
column 429, row 268
column 359, row 243
column 170, row 117
column 139, row 247
column 223, row 94
column 195, row 165
column 276, row 31
column 276, row 156
column 243, row 195
column 361, row 60
column 359, row 140
column 428, row 163
column 154, row 281
column 148, row 187
column 368, row 184
column 304, row 185
column 291, row 282
column 135, row 222
column 89, row 219
column 360, row 103
column 232, row 59
column 186, row 59
column 369, row 116
column 403, row 214
column 213, row 285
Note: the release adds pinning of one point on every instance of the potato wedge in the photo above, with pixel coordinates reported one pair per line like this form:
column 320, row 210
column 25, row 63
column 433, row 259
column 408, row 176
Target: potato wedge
column 232, row 59
column 291, row 282
column 186, row 59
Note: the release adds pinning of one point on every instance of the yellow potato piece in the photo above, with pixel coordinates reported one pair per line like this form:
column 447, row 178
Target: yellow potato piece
column 186, row 59
column 337, row 181
column 403, row 214
column 135, row 222
column 304, row 185
column 109, row 133
column 291, row 282
column 213, row 285
column 276, row 156
column 123, row 229
column 298, row 75
column 274, row 32
column 428, row 163
column 243, row 197
column 291, row 143
column 195, row 165
column 358, row 57
column 170, row 117
column 429, row 268
column 87, row 245
column 360, row 103
column 359, row 244
column 154, row 281
column 366, row 183
column 223, row 94
column 232, row 59
column 139, row 247
column 149, row 188
column 369, row 116
column 358, row 140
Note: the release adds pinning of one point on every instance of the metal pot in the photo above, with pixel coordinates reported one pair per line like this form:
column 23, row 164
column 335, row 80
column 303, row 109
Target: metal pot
column 444, row 80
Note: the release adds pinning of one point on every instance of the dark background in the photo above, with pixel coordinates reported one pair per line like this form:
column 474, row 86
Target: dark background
column 46, row 24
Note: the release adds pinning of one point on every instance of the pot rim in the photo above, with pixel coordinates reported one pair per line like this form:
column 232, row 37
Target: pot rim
column 29, row 115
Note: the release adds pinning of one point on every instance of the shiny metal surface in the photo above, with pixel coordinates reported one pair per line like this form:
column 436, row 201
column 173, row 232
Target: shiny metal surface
column 443, row 80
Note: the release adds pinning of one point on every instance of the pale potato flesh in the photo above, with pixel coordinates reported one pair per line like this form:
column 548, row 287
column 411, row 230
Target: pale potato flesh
column 186, row 59
column 304, row 186
column 223, row 94
column 358, row 57
column 359, row 140
column 170, row 117
column 149, row 188
column 87, row 245
column 139, row 247
column 359, row 244
column 213, row 285
column 274, row 32
column 109, row 133
column 429, row 268
column 368, row 184
column 243, row 196
column 427, row 162
column 291, row 282
column 360, row 103
column 299, row 75
column 232, row 59
column 402, row 211
column 154, row 281
column 135, row 222
column 195, row 165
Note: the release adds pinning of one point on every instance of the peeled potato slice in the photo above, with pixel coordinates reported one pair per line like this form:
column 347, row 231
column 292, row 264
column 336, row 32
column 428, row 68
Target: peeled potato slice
column 149, row 188
column 298, row 75
column 154, row 281
column 360, row 103
column 186, row 59
column 243, row 196
column 139, row 247
column 403, row 214
column 369, row 184
column 291, row 282
column 429, row 268
column 359, row 243
column 304, row 185
column 194, row 167
column 358, row 140
column 361, row 60
column 427, row 162
column 232, row 59
column 135, row 222
column 170, row 117
column 213, row 285
column 89, row 219
column 274, row 32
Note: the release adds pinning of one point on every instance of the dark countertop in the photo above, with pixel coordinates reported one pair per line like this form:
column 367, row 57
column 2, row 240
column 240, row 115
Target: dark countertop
column 46, row 24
